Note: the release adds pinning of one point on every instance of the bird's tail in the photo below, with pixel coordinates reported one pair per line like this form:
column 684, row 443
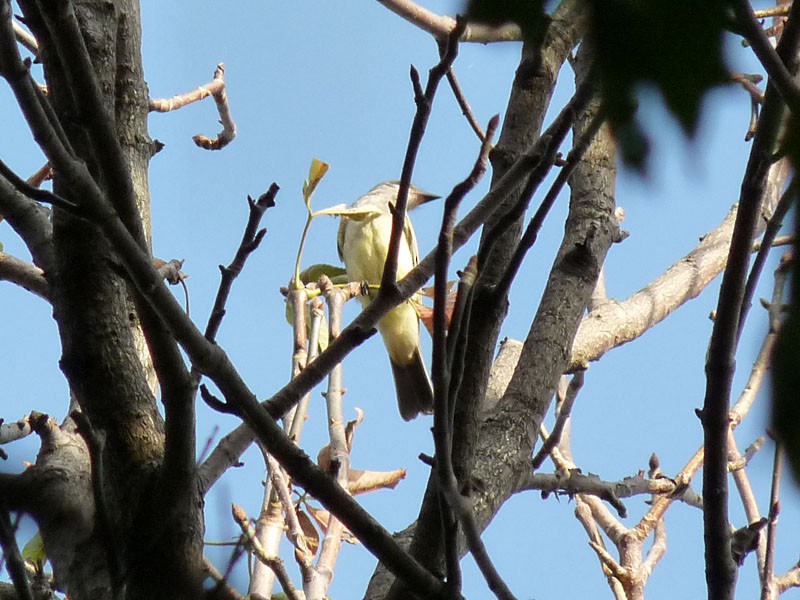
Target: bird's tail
column 414, row 393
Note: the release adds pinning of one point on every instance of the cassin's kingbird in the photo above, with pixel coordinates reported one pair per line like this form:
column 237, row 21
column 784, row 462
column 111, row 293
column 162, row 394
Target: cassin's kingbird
column 363, row 243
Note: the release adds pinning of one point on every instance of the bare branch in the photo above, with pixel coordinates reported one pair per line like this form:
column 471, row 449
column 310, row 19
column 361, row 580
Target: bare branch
column 424, row 104
column 564, row 411
column 251, row 238
column 771, row 59
column 440, row 27
column 768, row 583
column 273, row 562
column 720, row 565
column 25, row 38
column 24, row 274
column 216, row 89
column 14, row 562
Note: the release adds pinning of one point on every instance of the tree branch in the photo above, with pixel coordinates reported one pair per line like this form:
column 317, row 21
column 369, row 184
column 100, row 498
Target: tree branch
column 720, row 566
column 24, row 274
column 216, row 89
column 440, row 27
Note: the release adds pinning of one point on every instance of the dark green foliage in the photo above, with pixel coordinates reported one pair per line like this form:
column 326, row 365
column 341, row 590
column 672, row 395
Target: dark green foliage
column 528, row 14
column 673, row 45
column 786, row 367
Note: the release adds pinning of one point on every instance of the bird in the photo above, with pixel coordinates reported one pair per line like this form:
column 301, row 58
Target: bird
column 363, row 243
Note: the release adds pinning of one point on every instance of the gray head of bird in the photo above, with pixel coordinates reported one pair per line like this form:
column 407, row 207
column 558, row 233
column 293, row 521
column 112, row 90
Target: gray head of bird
column 387, row 191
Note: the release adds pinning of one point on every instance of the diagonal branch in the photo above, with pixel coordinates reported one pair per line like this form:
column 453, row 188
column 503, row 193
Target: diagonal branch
column 440, row 26
column 424, row 103
column 24, row 274
column 779, row 75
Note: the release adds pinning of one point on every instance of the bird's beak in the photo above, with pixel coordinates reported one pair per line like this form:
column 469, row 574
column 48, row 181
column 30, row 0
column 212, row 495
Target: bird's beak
column 417, row 198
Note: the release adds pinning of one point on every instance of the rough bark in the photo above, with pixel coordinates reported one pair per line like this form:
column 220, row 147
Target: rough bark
column 145, row 538
column 504, row 436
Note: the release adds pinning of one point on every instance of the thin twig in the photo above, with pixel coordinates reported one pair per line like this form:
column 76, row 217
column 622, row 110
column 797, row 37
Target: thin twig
column 304, row 352
column 339, row 449
column 14, row 561
column 540, row 160
column 745, row 489
column 222, row 583
column 273, row 562
column 280, row 482
column 770, row 233
column 25, row 38
column 463, row 104
column 35, row 193
column 768, row 591
column 575, row 385
column 773, row 11
column 441, row 380
column 251, row 238
column 216, row 89
column 424, row 101
column 779, row 75
column 442, row 368
column 440, row 27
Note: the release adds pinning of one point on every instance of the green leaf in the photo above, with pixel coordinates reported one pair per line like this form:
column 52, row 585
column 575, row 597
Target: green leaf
column 673, row 45
column 34, row 553
column 786, row 368
column 529, row 15
column 314, row 272
column 316, row 172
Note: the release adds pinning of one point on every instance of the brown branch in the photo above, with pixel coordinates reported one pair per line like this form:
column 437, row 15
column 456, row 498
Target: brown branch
column 773, row 11
column 14, row 561
column 466, row 109
column 24, row 274
column 338, row 448
column 31, row 221
column 216, row 89
column 443, row 407
column 35, row 193
column 771, row 59
column 564, row 411
column 424, row 101
column 95, row 441
column 251, row 238
column 280, row 483
column 69, row 44
column 745, row 488
column 720, row 565
column 774, row 226
column 440, row 26
column 44, row 173
column 580, row 146
column 768, row 571
column 10, row 432
column 273, row 562
column 221, row 581
column 25, row 38
column 748, row 82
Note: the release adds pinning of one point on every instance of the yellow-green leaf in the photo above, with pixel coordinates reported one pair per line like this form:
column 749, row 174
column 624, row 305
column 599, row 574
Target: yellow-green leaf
column 316, row 172
column 314, row 272
column 34, row 551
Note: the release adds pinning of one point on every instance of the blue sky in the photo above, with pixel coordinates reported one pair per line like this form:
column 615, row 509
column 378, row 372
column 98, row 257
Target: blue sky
column 330, row 80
